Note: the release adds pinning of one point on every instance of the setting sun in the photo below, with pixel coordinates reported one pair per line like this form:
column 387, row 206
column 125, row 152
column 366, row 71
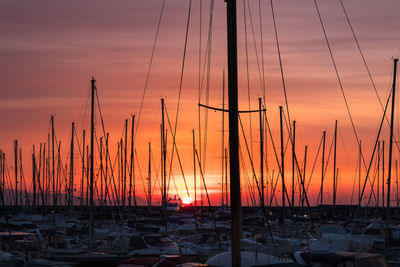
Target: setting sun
column 187, row 200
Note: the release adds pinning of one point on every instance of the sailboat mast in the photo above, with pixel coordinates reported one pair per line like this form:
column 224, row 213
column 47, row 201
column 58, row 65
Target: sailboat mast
column 125, row 162
column 149, row 178
column 261, row 154
column 282, row 163
column 101, row 171
column 378, row 173
column 20, row 176
column 106, row 173
column 323, row 167
column 33, row 176
column 334, row 168
column 236, row 206
column 16, row 170
column 226, row 176
column 164, row 162
column 52, row 167
column 383, row 173
column 293, row 157
column 359, row 170
column 71, row 170
column 131, row 178
column 83, row 165
column 194, row 172
column 223, row 170
column 390, row 149
column 91, row 167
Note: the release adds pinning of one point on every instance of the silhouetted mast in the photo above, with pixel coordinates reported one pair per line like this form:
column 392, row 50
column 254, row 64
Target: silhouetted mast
column 33, row 176
column 53, row 170
column 91, row 168
column 16, row 170
column 334, row 168
column 71, row 170
column 83, row 166
column 261, row 154
column 194, row 171
column 125, row 163
column 131, row 176
column 293, row 159
column 282, row 163
column 149, row 178
column 101, row 171
column 164, row 161
column 236, row 206
column 390, row 150
column 106, row 173
column 383, row 173
column 323, row 167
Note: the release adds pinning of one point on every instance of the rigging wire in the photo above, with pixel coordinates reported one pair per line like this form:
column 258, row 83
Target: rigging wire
column 365, row 64
column 281, row 65
column 150, row 64
column 199, row 85
column 262, row 51
column 180, row 87
column 339, row 80
column 255, row 48
column 247, row 73
column 207, row 62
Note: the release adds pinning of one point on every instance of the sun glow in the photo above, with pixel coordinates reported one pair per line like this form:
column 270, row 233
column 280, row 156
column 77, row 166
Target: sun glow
column 187, row 200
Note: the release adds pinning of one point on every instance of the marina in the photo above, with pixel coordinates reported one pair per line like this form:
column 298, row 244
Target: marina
column 160, row 178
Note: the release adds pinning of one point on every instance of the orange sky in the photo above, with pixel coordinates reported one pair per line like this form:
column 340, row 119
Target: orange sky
column 49, row 51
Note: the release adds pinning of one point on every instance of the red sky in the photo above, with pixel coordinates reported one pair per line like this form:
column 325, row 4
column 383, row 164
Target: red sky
column 50, row 50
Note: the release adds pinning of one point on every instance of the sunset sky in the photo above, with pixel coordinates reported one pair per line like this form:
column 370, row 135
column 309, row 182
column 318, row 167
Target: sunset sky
column 49, row 51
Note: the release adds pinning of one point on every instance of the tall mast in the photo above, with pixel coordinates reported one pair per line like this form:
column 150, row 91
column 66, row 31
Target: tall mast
column 87, row 176
column 71, row 170
column 119, row 155
column 48, row 169
column 236, row 206
column 323, row 167
column 334, row 168
column 261, row 153
column 383, row 173
column 397, row 186
column 52, row 168
column 33, row 177
column 125, row 162
column 359, row 170
column 44, row 185
column 16, row 170
column 282, row 163
column 20, row 176
column 293, row 157
column 101, row 171
column 164, row 160
column 83, row 166
column 223, row 141
column 226, row 177
column 106, row 173
column 194, row 172
column 304, row 177
column 91, row 168
column 390, row 149
column 149, row 178
column 378, row 188
column 59, row 166
column 131, row 177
